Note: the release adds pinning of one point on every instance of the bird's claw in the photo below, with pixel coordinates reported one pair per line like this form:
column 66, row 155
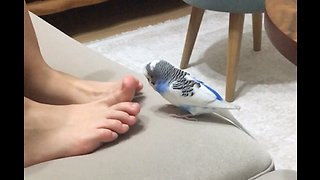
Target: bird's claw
column 189, row 117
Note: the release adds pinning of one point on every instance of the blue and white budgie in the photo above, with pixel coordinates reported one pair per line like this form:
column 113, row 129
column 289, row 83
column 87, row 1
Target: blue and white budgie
column 184, row 91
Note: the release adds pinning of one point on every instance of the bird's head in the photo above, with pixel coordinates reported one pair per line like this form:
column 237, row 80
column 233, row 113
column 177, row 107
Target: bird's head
column 158, row 72
column 150, row 72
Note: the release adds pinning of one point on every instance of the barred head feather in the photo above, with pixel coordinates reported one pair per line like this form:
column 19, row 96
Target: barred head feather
column 162, row 71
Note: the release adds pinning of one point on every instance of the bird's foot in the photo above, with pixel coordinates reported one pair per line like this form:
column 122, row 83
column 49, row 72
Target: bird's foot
column 189, row 117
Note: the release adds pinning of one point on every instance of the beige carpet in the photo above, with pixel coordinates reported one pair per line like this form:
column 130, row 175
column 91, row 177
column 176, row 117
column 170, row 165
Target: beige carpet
column 267, row 82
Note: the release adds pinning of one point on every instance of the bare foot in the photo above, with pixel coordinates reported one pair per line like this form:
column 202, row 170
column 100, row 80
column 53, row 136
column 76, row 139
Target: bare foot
column 60, row 88
column 121, row 91
column 56, row 131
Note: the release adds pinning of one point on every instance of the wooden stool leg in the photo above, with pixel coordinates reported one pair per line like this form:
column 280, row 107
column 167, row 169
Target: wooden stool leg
column 234, row 43
column 194, row 24
column 256, row 29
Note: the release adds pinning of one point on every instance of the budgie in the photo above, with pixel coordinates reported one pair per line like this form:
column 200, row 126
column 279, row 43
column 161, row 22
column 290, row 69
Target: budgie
column 184, row 91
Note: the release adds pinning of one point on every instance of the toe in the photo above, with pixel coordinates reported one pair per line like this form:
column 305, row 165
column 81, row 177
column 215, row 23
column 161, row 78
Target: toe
column 122, row 116
column 132, row 108
column 106, row 135
column 130, row 83
column 114, row 125
column 140, row 86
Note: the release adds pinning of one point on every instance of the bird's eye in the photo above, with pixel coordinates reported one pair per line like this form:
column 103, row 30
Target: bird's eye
column 152, row 83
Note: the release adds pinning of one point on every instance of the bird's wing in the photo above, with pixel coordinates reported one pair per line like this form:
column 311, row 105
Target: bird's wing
column 190, row 92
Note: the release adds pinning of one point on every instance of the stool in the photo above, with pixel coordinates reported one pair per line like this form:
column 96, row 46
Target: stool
column 236, row 10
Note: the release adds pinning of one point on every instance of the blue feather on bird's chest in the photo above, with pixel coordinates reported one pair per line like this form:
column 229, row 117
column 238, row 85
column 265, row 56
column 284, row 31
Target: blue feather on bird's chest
column 162, row 87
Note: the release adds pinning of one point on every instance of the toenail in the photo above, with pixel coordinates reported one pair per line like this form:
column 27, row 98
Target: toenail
column 133, row 119
column 114, row 135
column 135, row 105
column 125, row 126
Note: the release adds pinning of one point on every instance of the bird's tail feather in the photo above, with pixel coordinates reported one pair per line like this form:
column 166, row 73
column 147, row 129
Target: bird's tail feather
column 229, row 117
column 222, row 112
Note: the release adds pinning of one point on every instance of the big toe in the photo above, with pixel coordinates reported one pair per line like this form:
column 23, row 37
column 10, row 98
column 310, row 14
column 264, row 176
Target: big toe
column 132, row 83
column 130, row 86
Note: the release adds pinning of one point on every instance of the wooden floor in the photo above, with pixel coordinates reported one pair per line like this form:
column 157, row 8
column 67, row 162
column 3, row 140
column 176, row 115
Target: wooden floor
column 115, row 16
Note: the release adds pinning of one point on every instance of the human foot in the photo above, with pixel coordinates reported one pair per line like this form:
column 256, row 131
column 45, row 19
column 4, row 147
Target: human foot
column 56, row 131
column 120, row 91
column 61, row 88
